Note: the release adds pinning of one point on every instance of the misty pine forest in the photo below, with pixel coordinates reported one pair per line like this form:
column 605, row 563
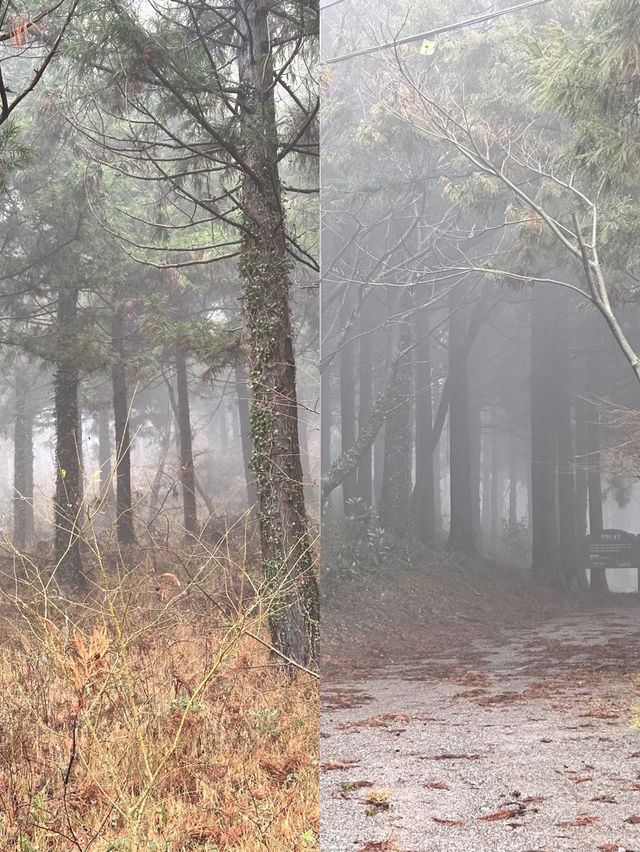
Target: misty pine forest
column 480, row 455
column 158, row 435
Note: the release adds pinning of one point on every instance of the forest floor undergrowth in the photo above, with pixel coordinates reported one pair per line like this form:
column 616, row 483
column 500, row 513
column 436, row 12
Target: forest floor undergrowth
column 472, row 716
column 139, row 716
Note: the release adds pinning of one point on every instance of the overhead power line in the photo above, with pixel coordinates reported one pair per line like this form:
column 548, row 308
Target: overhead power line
column 431, row 33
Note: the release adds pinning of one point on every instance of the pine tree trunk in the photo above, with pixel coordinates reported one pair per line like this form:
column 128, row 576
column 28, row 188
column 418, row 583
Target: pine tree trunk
column 424, row 510
column 242, row 394
column 347, row 409
column 513, row 484
column 544, row 553
column 599, row 583
column 187, row 473
column 264, row 267
column 124, row 511
column 68, row 497
column 461, row 533
column 395, row 508
column 475, row 449
column 326, row 426
column 573, row 576
column 378, row 464
column 437, row 495
column 580, row 408
column 486, row 483
column 23, row 521
column 365, row 378
column 380, row 387
column 495, row 517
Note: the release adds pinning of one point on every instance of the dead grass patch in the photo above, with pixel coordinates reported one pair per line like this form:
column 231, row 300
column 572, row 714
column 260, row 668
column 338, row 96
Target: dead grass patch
column 149, row 723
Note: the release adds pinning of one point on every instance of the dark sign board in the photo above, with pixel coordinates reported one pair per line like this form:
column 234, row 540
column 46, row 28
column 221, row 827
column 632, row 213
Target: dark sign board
column 613, row 549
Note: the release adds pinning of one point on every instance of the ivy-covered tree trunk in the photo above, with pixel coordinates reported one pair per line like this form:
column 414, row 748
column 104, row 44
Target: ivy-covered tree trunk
column 23, row 523
column 264, row 265
column 68, row 497
column 124, row 511
column 187, row 471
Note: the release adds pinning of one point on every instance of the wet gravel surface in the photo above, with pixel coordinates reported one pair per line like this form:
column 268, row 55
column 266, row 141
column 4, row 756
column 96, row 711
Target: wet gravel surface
column 525, row 744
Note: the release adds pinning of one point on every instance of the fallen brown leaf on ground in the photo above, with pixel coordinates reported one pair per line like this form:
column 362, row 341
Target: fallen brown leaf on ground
column 453, row 757
column 501, row 698
column 601, row 714
column 344, row 699
column 583, row 819
column 437, row 785
column 448, row 821
column 470, row 693
column 381, row 721
column 338, row 764
column 633, row 819
column 474, row 679
column 388, row 845
column 610, row 799
column 507, row 813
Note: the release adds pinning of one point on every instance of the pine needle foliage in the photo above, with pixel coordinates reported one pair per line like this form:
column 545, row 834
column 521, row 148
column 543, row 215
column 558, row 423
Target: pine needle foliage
column 590, row 74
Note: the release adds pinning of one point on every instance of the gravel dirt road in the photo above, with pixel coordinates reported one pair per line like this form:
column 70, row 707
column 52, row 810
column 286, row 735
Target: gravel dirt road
column 524, row 743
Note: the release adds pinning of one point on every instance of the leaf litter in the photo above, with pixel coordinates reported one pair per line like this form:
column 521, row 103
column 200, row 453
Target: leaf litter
column 588, row 680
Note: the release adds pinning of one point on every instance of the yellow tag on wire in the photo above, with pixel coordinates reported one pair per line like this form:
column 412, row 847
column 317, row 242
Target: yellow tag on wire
column 428, row 47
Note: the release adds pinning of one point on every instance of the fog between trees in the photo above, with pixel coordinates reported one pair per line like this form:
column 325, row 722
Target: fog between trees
column 479, row 317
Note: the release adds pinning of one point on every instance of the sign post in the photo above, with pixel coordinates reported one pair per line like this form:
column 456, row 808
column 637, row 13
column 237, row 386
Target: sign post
column 614, row 549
